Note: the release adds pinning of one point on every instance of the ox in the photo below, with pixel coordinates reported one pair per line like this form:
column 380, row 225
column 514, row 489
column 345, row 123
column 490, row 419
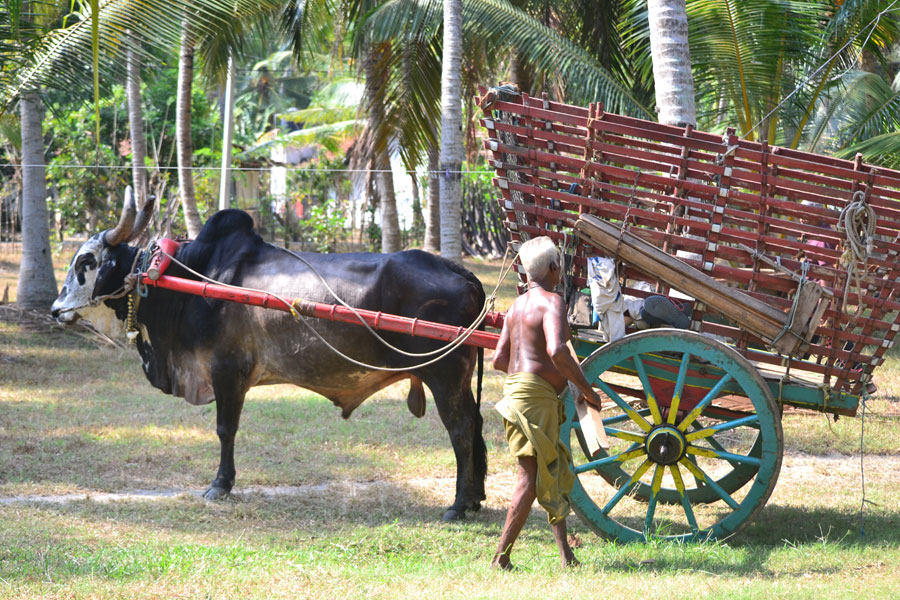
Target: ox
column 208, row 350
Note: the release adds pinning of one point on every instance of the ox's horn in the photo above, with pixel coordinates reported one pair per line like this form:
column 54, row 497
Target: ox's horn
column 117, row 235
column 143, row 219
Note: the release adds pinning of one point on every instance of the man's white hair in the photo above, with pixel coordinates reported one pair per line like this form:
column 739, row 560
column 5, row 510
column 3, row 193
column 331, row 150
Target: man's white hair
column 537, row 254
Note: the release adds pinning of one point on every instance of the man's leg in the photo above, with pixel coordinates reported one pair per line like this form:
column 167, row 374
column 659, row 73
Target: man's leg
column 562, row 542
column 523, row 498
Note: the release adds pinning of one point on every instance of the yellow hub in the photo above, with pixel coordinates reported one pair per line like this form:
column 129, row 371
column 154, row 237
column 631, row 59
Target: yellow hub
column 665, row 445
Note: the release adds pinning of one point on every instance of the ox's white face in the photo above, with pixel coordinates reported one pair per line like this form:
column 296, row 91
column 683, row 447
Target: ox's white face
column 74, row 300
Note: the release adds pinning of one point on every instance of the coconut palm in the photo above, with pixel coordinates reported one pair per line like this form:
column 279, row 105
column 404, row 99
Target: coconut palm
column 136, row 122
column 769, row 66
column 451, row 133
column 669, row 48
column 36, row 282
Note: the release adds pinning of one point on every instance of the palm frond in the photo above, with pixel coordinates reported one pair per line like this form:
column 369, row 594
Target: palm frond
column 503, row 27
column 62, row 58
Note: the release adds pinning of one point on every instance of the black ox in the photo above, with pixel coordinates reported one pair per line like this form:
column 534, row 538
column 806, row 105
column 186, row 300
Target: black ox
column 206, row 350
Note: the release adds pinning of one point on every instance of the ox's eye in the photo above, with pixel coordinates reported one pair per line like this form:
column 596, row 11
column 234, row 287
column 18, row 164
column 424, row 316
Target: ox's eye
column 83, row 263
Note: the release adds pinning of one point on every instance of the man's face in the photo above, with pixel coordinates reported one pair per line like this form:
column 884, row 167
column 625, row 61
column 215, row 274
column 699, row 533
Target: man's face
column 555, row 274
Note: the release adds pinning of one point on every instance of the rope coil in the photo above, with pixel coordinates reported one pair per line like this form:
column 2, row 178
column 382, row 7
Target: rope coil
column 857, row 221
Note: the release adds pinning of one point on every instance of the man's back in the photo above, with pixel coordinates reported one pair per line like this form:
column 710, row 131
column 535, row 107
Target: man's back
column 536, row 328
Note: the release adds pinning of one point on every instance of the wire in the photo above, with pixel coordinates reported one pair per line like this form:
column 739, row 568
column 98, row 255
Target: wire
column 219, row 168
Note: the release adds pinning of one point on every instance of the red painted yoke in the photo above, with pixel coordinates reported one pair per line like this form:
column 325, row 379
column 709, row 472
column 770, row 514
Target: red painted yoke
column 319, row 310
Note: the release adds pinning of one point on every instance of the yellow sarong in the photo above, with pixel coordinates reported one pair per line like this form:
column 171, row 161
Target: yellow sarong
column 532, row 414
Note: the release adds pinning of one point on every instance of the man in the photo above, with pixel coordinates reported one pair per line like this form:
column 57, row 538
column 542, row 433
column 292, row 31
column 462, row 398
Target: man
column 535, row 349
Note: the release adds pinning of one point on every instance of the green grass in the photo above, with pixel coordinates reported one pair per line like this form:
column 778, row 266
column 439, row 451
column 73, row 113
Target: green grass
column 365, row 523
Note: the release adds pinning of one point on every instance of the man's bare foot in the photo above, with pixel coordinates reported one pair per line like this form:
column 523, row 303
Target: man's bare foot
column 503, row 564
column 571, row 562
column 574, row 540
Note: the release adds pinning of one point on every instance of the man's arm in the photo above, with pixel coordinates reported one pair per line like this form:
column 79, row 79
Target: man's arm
column 561, row 352
column 501, row 354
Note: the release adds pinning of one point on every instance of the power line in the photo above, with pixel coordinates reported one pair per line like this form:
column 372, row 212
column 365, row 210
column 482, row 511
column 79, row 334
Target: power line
column 268, row 168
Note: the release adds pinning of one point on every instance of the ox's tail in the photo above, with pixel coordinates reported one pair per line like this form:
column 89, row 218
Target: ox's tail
column 480, row 376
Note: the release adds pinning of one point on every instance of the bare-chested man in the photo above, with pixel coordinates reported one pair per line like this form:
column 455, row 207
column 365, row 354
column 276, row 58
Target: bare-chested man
column 535, row 350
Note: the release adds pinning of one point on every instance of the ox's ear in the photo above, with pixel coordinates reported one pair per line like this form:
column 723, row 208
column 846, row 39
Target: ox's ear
column 117, row 235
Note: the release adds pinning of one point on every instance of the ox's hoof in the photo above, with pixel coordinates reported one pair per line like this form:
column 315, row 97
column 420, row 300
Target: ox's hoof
column 453, row 514
column 215, row 492
column 457, row 513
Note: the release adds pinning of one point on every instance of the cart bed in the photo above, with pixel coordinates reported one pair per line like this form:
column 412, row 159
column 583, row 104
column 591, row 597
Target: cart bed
column 718, row 203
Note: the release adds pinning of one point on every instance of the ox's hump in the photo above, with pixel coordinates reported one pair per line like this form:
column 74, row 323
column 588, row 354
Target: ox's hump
column 221, row 247
column 225, row 224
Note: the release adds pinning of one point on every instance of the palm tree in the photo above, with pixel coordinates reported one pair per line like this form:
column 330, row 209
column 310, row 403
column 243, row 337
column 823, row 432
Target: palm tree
column 451, row 133
column 184, row 144
column 771, row 66
column 671, row 62
column 433, row 208
column 37, row 283
column 136, row 122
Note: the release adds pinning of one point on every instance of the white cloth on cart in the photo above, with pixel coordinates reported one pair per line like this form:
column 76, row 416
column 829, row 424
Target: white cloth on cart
column 607, row 299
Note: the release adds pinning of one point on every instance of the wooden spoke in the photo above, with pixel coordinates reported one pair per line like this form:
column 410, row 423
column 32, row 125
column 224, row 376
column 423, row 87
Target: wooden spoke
column 633, row 451
column 685, row 499
column 634, row 416
column 709, row 397
column 701, row 476
column 654, row 492
column 729, row 456
column 724, row 426
column 648, row 391
column 645, row 466
column 679, row 387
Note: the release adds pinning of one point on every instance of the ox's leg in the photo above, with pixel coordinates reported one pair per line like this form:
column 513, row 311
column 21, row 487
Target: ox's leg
column 230, row 391
column 460, row 415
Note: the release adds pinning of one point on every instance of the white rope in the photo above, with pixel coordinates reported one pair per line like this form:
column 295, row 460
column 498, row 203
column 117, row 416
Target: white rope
column 488, row 305
column 857, row 221
column 446, row 350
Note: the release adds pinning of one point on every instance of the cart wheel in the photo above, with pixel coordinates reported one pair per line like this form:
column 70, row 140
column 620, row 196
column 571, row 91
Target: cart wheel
column 731, row 481
column 693, row 431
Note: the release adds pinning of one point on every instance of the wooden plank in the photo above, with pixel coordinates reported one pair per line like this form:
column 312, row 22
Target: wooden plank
column 757, row 317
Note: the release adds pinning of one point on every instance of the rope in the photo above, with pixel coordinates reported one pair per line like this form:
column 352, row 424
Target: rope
column 857, row 221
column 792, row 315
column 862, row 467
column 627, row 216
column 131, row 280
column 447, row 349
column 488, row 305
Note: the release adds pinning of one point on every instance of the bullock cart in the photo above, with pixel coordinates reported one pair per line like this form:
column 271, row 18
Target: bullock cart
column 788, row 261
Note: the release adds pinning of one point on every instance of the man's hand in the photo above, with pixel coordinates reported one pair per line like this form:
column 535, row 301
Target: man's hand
column 593, row 398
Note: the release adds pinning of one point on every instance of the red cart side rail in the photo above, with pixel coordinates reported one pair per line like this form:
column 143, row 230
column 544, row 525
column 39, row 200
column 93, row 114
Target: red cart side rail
column 333, row 312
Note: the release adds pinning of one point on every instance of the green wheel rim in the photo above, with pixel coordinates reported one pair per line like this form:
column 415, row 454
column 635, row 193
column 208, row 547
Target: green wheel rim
column 652, row 496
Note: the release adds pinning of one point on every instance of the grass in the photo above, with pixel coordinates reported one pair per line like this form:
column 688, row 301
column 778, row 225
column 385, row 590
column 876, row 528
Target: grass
column 364, row 519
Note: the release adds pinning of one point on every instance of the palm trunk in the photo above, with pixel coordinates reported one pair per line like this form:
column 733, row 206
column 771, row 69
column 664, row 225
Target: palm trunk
column 384, row 178
column 185, row 151
column 671, row 62
column 37, row 283
column 136, row 124
column 451, row 133
column 433, row 207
